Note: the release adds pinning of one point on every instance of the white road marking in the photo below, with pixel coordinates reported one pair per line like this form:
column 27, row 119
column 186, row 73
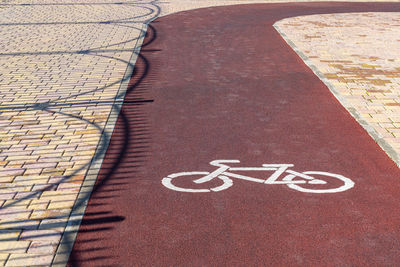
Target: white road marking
column 224, row 173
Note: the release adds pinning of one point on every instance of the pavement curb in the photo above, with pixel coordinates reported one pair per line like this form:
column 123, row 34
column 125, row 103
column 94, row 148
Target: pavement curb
column 71, row 231
column 389, row 150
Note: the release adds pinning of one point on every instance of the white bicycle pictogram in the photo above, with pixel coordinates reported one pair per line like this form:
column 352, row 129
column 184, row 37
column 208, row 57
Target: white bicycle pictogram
column 300, row 181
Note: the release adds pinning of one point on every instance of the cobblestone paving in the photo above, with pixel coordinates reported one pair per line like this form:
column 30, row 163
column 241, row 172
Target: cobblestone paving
column 62, row 67
column 358, row 54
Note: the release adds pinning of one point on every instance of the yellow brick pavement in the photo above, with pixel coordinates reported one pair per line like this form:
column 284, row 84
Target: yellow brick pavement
column 61, row 68
column 357, row 55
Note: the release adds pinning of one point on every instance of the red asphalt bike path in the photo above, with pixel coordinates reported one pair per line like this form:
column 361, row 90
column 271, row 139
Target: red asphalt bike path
column 221, row 83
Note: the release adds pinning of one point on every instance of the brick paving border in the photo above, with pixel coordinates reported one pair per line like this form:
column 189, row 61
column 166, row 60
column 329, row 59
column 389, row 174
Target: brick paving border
column 69, row 236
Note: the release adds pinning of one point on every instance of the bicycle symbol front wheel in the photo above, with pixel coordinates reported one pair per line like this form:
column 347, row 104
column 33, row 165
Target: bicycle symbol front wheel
column 327, row 182
column 172, row 182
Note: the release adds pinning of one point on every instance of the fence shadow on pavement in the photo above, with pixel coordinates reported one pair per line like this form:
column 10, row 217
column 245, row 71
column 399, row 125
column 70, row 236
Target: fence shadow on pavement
column 129, row 133
column 130, row 136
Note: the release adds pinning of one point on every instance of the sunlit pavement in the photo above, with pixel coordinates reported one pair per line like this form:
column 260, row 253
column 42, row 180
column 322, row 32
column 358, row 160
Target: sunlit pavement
column 65, row 69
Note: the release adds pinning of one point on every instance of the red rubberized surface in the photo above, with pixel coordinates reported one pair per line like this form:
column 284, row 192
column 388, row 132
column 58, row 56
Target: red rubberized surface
column 221, row 83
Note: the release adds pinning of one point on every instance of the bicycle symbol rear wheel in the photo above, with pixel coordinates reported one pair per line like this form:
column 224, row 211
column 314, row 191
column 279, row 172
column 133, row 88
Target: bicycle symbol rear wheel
column 171, row 179
column 339, row 182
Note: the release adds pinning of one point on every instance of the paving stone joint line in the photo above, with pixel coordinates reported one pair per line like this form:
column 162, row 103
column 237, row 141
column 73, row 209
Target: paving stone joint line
column 67, row 241
column 59, row 106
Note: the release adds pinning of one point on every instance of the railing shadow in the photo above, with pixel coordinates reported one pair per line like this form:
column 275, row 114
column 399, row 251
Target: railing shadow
column 130, row 137
column 131, row 134
column 100, row 221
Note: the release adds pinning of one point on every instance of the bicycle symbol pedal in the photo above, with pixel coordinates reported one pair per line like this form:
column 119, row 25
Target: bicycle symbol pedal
column 295, row 180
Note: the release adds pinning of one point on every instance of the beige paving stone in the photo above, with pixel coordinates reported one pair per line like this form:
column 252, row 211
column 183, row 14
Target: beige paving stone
column 50, row 214
column 15, row 204
column 9, row 235
column 42, row 247
column 25, row 259
column 11, row 172
column 54, row 224
column 55, row 195
column 26, row 195
column 14, row 246
column 41, row 235
column 19, row 224
column 61, row 205
column 38, row 204
column 8, row 213
column 6, row 179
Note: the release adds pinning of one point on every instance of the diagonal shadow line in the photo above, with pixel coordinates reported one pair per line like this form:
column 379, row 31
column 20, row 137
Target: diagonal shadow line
column 44, row 104
column 129, row 65
column 157, row 11
column 71, row 23
column 153, row 36
column 135, row 17
column 89, row 51
column 101, row 146
column 88, row 221
column 73, row 256
column 77, row 4
column 126, row 140
column 124, row 125
column 141, row 35
column 97, row 155
column 126, row 129
column 64, row 179
column 141, row 16
column 86, row 51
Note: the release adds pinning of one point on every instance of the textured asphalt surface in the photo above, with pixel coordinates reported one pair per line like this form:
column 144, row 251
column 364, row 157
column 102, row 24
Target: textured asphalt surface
column 221, row 83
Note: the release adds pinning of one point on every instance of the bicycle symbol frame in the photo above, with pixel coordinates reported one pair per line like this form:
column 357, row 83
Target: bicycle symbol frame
column 225, row 173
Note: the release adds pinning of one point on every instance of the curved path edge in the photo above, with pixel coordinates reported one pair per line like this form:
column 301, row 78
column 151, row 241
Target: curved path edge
column 353, row 113
column 74, row 221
